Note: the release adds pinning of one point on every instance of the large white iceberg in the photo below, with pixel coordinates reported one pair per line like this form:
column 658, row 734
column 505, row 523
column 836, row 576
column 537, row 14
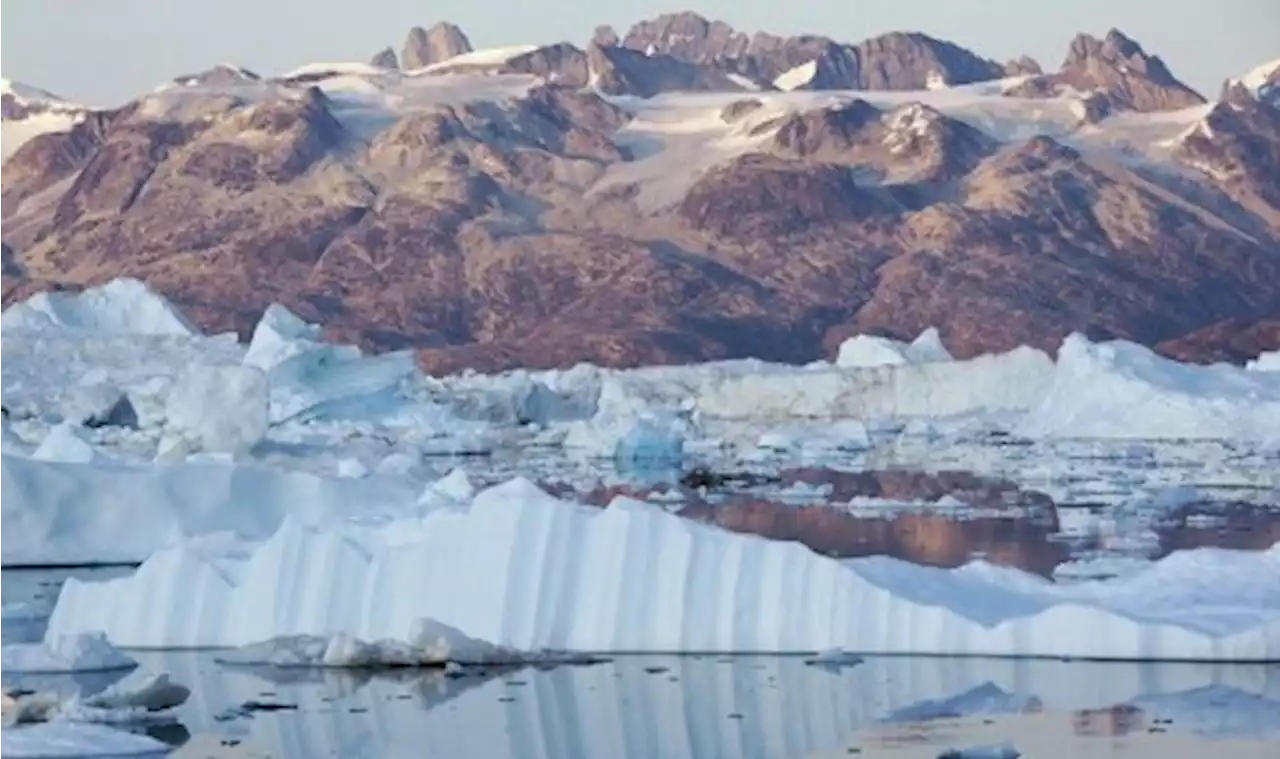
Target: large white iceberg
column 121, row 306
column 525, row 570
column 1124, row 390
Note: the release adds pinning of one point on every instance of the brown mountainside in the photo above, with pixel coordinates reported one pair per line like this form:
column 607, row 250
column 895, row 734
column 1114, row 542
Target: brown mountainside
column 517, row 212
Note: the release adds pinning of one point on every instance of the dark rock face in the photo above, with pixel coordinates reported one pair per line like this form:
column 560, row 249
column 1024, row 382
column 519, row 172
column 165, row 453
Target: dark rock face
column 1238, row 144
column 1117, row 66
column 385, row 58
column 562, row 63
column 895, row 61
column 622, row 71
column 441, row 42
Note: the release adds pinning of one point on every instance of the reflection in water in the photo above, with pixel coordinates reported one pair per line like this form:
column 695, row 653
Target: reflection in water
column 947, row 518
column 673, row 707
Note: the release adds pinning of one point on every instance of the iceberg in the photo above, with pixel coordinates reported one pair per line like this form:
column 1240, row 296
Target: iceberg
column 310, row 377
column 80, row 652
column 867, row 351
column 1120, row 389
column 58, row 512
column 121, row 306
column 431, row 644
column 524, row 570
column 217, row 409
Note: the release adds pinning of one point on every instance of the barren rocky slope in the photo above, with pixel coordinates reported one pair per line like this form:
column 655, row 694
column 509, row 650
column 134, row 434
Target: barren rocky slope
column 653, row 197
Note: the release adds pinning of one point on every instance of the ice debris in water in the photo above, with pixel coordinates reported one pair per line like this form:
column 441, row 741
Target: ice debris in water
column 77, row 652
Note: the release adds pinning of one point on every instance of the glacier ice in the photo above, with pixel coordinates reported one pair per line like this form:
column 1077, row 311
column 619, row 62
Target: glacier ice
column 522, row 569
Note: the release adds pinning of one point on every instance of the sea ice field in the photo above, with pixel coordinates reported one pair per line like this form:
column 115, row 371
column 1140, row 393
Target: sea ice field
column 288, row 547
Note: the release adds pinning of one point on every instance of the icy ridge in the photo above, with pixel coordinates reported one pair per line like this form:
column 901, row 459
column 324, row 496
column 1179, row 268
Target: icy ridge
column 525, row 570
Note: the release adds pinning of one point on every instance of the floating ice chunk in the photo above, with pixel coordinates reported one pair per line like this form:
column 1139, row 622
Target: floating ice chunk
column 219, row 409
column 308, row 376
column 429, row 644
column 150, row 693
column 66, row 442
column 121, row 306
column 652, row 439
column 865, row 351
column 78, row 740
column 79, row 652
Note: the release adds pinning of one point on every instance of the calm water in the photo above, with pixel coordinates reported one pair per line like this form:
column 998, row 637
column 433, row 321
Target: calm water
column 673, row 707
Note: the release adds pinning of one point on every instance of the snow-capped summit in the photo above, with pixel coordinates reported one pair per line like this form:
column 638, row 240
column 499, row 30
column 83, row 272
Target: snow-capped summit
column 28, row 111
column 25, row 93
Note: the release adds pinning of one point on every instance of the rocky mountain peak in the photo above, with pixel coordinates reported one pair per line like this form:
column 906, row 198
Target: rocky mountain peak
column 221, row 75
column 1117, row 68
column 605, row 35
column 688, row 36
column 441, row 42
column 916, row 61
column 1023, row 66
column 385, row 58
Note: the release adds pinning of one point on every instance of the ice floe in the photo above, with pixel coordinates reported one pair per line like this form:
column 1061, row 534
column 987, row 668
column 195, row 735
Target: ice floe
column 524, row 570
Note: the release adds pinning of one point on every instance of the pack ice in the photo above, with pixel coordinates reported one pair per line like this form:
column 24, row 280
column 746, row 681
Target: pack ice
column 522, row 569
column 245, row 440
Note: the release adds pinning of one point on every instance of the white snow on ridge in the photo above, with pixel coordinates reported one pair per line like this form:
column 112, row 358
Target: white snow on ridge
column 796, row 77
column 336, row 69
column 1256, row 77
column 495, row 56
column 522, row 569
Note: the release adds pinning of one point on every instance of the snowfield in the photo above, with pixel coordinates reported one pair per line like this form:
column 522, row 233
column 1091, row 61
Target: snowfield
column 292, row 487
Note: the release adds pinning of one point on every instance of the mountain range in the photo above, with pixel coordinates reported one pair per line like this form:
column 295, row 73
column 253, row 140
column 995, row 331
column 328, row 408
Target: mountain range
column 680, row 192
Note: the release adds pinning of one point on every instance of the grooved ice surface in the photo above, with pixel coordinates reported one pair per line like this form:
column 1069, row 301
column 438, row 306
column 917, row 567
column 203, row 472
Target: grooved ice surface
column 522, row 569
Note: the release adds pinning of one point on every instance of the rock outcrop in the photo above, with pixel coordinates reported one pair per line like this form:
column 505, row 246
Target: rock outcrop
column 1117, row 68
column 441, row 42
